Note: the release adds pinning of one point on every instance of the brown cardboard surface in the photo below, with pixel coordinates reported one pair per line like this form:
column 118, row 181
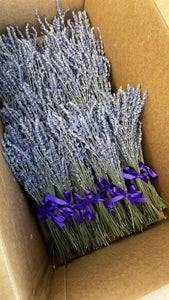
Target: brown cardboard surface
column 20, row 12
column 51, row 286
column 126, row 270
column 136, row 40
column 58, row 285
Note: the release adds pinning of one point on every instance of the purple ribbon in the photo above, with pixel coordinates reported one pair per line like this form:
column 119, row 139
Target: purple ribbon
column 67, row 208
column 108, row 188
column 91, row 198
column 148, row 171
column 135, row 196
column 51, row 203
column 131, row 173
column 118, row 194
column 47, row 210
column 131, row 194
column 145, row 171
column 70, row 209
column 84, row 207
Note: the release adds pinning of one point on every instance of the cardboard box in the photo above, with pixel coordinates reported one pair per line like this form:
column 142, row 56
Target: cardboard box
column 136, row 39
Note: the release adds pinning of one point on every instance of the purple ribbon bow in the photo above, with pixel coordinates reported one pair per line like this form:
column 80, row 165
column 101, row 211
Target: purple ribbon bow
column 131, row 194
column 51, row 203
column 145, row 171
column 148, row 171
column 135, row 196
column 68, row 209
column 102, row 194
column 131, row 173
column 108, row 188
column 48, row 207
column 118, row 194
column 84, row 207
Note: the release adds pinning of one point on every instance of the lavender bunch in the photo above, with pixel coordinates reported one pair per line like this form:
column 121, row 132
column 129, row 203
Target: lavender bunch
column 42, row 165
column 68, row 63
column 125, row 108
column 72, row 51
column 83, row 57
column 123, row 112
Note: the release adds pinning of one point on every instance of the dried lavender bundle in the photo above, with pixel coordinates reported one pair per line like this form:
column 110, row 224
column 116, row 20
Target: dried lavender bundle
column 122, row 111
column 64, row 136
column 32, row 148
column 125, row 107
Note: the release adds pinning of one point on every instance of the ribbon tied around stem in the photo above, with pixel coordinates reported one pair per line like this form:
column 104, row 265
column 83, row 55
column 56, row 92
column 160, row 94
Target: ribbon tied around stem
column 79, row 208
column 84, row 206
column 47, row 208
column 145, row 171
column 106, row 187
column 131, row 173
column 52, row 203
column 131, row 193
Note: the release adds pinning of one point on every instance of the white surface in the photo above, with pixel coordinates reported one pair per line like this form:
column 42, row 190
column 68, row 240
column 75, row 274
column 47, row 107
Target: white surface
column 160, row 294
column 163, row 6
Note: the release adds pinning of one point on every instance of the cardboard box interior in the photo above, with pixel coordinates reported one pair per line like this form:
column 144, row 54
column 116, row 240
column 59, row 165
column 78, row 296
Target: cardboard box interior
column 136, row 40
